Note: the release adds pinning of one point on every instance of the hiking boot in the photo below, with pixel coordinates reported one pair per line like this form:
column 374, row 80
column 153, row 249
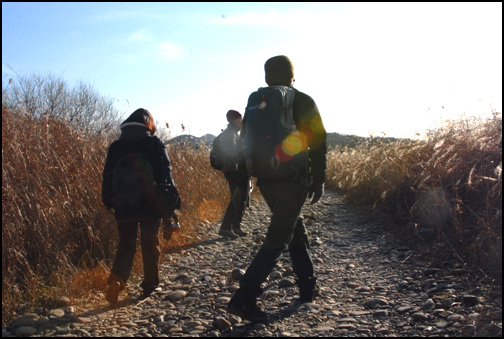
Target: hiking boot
column 247, row 309
column 307, row 295
column 308, row 289
column 148, row 292
column 228, row 234
column 240, row 232
column 113, row 292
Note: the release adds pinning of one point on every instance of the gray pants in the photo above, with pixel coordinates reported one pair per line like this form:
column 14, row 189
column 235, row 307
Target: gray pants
column 286, row 230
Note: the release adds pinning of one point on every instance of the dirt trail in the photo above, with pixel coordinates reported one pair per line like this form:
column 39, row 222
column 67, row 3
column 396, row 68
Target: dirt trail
column 371, row 285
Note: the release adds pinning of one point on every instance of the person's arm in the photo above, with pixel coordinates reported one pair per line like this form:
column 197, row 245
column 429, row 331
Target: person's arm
column 107, row 191
column 309, row 123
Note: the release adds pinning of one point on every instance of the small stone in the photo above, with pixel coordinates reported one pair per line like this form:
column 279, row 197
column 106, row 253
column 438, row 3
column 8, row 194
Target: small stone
column 380, row 313
column 428, row 304
column 470, row 300
column 418, row 316
column 25, row 331
column 61, row 302
column 57, row 312
column 285, row 283
column 222, row 324
column 375, row 302
column 176, row 296
column 237, row 274
column 28, row 319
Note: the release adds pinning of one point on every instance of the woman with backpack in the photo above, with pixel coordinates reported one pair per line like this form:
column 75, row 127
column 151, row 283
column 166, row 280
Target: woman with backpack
column 137, row 166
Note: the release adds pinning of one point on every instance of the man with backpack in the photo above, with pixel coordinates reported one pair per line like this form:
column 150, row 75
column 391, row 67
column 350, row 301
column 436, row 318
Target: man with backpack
column 224, row 157
column 283, row 144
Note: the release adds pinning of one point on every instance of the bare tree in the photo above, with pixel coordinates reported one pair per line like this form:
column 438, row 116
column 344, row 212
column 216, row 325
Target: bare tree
column 50, row 96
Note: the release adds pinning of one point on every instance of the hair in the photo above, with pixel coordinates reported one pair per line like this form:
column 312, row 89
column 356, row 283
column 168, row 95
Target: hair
column 278, row 70
column 142, row 116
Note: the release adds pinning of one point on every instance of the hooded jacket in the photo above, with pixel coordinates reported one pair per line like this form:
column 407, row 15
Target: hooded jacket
column 229, row 146
column 136, row 135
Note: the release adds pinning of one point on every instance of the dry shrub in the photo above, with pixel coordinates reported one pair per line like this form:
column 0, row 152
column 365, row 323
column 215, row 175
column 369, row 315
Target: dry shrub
column 51, row 215
column 203, row 191
column 57, row 237
column 449, row 184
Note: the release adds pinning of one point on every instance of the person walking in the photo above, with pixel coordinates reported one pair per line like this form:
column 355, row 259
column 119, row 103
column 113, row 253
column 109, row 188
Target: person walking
column 284, row 194
column 228, row 140
column 135, row 162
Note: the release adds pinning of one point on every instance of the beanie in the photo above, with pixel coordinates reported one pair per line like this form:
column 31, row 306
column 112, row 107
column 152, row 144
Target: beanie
column 233, row 115
column 278, row 68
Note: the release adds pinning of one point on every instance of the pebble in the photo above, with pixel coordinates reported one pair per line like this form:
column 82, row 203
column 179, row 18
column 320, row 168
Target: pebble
column 371, row 285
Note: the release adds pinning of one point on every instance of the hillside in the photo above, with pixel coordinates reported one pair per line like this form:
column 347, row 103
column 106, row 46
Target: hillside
column 333, row 139
column 191, row 140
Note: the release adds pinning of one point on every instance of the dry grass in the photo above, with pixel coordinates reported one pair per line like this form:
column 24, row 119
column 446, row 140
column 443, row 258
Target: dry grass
column 57, row 238
column 449, row 184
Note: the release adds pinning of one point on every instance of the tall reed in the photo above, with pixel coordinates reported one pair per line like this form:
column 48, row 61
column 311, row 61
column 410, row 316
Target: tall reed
column 449, row 185
column 57, row 238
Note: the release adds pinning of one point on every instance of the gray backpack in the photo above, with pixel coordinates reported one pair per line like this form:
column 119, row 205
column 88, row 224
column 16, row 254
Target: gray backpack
column 271, row 143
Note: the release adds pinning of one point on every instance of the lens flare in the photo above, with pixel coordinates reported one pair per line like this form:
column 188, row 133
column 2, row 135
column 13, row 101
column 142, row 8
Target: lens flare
column 292, row 145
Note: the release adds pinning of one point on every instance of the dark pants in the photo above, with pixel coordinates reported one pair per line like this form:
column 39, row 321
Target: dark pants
column 286, row 230
column 233, row 216
column 123, row 262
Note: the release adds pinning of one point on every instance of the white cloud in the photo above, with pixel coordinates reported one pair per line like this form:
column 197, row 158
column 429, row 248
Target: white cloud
column 169, row 51
column 140, row 35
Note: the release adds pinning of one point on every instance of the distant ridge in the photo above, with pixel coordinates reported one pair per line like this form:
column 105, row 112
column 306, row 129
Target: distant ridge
column 191, row 140
column 333, row 139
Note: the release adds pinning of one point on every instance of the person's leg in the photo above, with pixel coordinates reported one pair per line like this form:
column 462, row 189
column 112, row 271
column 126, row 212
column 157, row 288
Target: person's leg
column 237, row 213
column 285, row 201
column 150, row 254
column 229, row 216
column 299, row 250
column 123, row 261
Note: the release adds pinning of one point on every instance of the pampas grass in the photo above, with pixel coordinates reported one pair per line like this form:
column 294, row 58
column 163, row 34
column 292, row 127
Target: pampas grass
column 449, row 183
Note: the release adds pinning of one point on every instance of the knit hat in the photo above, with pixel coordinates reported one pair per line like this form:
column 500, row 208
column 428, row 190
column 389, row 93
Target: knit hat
column 232, row 115
column 278, row 68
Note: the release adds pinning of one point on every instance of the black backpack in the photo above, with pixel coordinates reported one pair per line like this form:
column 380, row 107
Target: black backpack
column 271, row 144
column 133, row 182
column 216, row 156
column 135, row 188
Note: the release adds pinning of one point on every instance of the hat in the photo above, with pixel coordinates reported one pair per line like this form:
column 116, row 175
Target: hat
column 278, row 68
column 232, row 115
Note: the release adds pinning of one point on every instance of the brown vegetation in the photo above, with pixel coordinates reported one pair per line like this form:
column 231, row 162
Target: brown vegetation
column 448, row 186
column 57, row 238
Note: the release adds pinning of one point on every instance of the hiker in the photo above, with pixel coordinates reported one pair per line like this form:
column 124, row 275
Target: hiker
column 137, row 150
column 228, row 144
column 284, row 192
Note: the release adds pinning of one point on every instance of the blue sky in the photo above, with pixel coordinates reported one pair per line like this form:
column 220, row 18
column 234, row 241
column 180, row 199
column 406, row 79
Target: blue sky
column 393, row 68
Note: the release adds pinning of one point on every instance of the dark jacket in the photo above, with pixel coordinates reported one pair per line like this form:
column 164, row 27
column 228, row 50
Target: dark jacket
column 229, row 146
column 309, row 123
column 137, row 136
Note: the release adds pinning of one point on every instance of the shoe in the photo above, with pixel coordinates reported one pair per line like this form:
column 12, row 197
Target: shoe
column 228, row 234
column 240, row 232
column 113, row 293
column 145, row 294
column 307, row 295
column 246, row 308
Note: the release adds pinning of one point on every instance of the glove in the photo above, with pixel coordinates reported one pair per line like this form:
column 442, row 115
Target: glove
column 316, row 190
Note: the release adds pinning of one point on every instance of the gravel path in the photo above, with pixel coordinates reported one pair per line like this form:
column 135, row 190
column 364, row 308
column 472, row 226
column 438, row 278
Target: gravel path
column 371, row 285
